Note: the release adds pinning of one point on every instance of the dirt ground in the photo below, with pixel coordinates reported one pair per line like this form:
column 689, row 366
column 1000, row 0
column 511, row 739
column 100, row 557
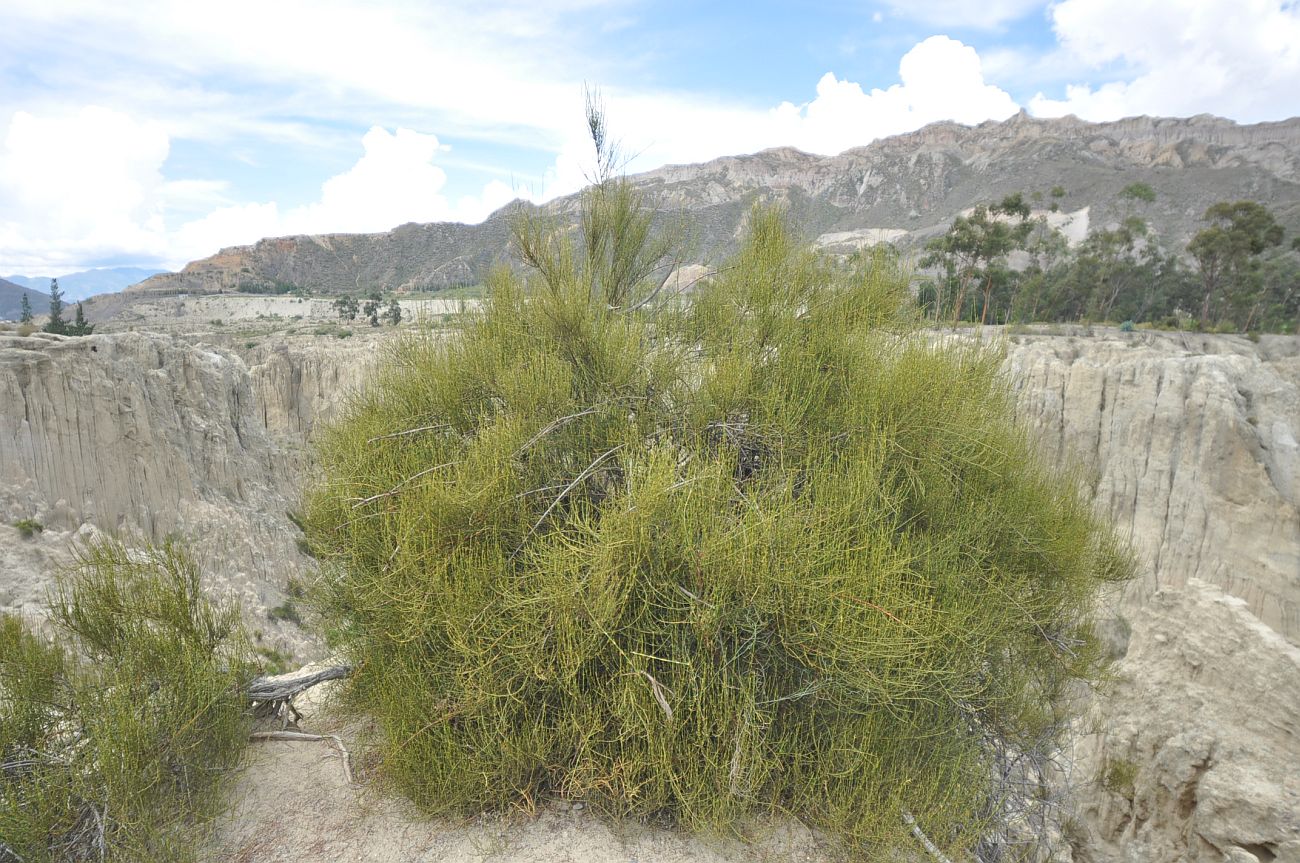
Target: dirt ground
column 293, row 803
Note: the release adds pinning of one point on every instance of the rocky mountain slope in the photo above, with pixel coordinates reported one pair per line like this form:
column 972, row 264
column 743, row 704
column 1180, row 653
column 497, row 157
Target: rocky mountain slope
column 11, row 300
column 903, row 189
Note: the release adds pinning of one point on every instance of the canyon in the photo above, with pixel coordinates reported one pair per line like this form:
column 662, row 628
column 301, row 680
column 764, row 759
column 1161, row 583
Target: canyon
column 1188, row 441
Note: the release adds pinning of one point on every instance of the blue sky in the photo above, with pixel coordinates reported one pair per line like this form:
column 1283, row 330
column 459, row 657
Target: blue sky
column 155, row 133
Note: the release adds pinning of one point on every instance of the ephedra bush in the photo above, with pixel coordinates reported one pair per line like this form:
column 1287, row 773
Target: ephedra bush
column 771, row 552
column 114, row 737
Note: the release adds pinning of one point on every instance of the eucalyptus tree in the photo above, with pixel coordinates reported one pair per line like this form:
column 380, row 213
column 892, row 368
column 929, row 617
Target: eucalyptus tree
column 1226, row 252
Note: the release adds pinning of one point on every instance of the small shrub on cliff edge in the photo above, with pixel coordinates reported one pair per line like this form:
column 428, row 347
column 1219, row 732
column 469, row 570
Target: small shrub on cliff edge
column 28, row 527
column 113, row 738
column 1120, row 777
column 286, row 610
column 776, row 552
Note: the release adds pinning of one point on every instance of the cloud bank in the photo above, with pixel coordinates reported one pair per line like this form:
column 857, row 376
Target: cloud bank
column 89, row 187
column 1235, row 58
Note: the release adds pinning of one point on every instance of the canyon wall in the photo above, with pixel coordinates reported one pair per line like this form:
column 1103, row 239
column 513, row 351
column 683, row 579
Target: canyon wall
column 148, row 435
column 1190, row 443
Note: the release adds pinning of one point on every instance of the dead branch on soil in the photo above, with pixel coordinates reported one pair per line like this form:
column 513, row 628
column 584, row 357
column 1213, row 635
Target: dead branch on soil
column 273, row 696
column 928, row 845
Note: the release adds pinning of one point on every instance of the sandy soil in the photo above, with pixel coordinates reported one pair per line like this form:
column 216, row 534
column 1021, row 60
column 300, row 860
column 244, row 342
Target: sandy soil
column 293, row 803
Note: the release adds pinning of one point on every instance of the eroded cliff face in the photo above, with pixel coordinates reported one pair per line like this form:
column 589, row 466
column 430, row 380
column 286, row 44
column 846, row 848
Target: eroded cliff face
column 1191, row 443
column 301, row 384
column 151, row 436
column 1195, row 749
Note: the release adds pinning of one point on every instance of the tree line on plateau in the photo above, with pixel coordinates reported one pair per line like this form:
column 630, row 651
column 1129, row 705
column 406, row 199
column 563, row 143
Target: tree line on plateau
column 1001, row 265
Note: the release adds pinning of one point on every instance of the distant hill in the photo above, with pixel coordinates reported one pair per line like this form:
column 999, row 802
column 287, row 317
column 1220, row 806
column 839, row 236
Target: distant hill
column 87, row 283
column 11, row 301
column 903, row 189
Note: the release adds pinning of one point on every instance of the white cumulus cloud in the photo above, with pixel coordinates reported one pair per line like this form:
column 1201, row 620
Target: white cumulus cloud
column 939, row 79
column 88, row 187
column 79, row 186
column 1236, row 58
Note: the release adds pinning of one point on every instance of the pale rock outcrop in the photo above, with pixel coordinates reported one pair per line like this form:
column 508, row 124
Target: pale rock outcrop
column 143, row 435
column 302, row 383
column 1191, row 443
column 1196, row 750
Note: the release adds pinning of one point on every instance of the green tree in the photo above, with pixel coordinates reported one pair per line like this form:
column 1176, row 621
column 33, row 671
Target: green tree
column 26, row 315
column 1048, row 250
column 1226, row 253
column 346, row 307
column 1113, row 251
column 56, row 323
column 1280, row 294
column 370, row 309
column 79, row 326
column 974, row 250
column 393, row 314
column 1138, row 192
column 772, row 551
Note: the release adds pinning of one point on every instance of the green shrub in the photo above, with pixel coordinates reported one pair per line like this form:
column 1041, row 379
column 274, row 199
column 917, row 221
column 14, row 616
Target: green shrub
column 1127, row 327
column 274, row 661
column 113, row 739
column 286, row 610
column 28, row 528
column 776, row 551
column 1120, row 777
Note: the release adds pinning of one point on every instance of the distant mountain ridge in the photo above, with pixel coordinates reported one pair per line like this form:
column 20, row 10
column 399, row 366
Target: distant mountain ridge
column 903, row 189
column 87, row 283
column 11, row 301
